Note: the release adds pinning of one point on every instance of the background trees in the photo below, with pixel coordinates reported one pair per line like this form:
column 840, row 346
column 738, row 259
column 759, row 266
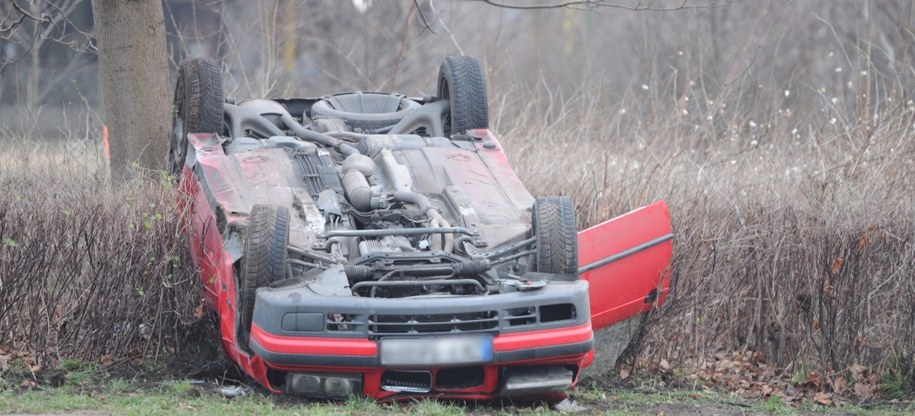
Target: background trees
column 312, row 47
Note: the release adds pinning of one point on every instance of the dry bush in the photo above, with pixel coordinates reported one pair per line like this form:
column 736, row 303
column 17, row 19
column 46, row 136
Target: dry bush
column 795, row 234
column 88, row 268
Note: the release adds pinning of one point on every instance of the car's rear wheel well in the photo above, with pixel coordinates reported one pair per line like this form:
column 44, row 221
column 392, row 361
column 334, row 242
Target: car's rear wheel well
column 263, row 260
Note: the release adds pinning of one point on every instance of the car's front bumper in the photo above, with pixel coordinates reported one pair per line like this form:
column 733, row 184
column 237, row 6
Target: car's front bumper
column 540, row 337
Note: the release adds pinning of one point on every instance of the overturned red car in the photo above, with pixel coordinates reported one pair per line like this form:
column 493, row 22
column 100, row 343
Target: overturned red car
column 375, row 244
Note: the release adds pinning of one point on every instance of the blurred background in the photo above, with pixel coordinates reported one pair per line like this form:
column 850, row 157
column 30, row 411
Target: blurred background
column 795, row 52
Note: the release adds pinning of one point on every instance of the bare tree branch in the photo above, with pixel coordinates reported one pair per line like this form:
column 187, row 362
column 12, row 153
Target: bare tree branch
column 9, row 29
column 43, row 18
column 637, row 5
column 51, row 23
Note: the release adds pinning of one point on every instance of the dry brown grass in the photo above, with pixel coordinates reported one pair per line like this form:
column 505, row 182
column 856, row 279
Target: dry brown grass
column 795, row 232
column 88, row 268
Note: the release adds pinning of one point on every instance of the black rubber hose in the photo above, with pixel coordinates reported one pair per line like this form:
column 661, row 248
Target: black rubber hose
column 413, row 198
column 241, row 119
column 470, row 268
column 357, row 273
column 428, row 116
column 417, row 283
column 310, row 135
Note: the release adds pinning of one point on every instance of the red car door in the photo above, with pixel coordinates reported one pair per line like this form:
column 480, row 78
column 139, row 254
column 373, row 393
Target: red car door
column 627, row 262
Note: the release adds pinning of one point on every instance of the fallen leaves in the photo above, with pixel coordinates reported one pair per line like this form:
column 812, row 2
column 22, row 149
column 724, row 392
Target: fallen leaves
column 25, row 360
column 748, row 375
column 864, row 390
column 824, row 399
column 198, row 311
column 837, row 266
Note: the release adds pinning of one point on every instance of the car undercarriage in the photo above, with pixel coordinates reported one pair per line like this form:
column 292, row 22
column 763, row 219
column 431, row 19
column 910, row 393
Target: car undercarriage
column 377, row 244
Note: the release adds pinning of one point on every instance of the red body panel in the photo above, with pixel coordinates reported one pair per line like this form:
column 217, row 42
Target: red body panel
column 633, row 283
column 215, row 268
column 314, row 345
column 544, row 338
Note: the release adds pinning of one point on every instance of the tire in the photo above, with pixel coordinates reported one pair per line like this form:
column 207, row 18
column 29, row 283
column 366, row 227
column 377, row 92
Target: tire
column 197, row 107
column 460, row 80
column 264, row 260
column 556, row 235
column 367, row 111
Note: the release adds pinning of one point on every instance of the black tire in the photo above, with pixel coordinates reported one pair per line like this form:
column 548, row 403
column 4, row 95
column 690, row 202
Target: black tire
column 264, row 260
column 368, row 118
column 197, row 107
column 461, row 81
column 557, row 235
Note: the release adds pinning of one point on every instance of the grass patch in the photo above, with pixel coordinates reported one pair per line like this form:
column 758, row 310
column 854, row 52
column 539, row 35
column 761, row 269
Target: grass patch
column 180, row 397
column 82, row 374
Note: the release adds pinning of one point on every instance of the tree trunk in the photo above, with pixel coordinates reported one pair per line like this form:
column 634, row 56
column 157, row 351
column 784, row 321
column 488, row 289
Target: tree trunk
column 133, row 64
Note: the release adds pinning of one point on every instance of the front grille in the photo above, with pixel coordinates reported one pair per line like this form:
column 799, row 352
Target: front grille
column 406, row 381
column 542, row 314
column 486, row 322
column 344, row 322
column 483, row 321
column 459, row 377
column 431, row 324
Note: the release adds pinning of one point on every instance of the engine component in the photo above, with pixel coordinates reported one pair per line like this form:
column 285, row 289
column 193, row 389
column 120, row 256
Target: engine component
column 367, row 111
column 364, row 164
column 358, row 192
column 397, row 174
column 387, row 244
column 318, row 172
column 269, row 109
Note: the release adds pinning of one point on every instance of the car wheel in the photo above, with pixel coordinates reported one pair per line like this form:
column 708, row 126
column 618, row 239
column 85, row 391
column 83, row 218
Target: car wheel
column 366, row 111
column 264, row 258
column 556, row 235
column 461, row 81
column 197, row 107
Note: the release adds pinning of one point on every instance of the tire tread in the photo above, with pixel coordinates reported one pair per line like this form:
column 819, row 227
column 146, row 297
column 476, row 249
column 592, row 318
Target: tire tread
column 264, row 260
column 557, row 235
column 466, row 91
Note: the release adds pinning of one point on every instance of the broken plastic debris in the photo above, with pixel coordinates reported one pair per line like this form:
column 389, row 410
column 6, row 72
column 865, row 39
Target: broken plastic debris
column 569, row 405
column 234, row 391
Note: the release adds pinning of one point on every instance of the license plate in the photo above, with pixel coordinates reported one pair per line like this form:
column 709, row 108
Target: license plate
column 435, row 351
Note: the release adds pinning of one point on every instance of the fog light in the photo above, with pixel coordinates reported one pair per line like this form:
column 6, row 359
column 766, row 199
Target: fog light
column 338, row 387
column 304, row 384
column 325, row 386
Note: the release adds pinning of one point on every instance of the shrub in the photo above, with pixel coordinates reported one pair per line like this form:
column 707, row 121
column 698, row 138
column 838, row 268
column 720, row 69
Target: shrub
column 90, row 268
